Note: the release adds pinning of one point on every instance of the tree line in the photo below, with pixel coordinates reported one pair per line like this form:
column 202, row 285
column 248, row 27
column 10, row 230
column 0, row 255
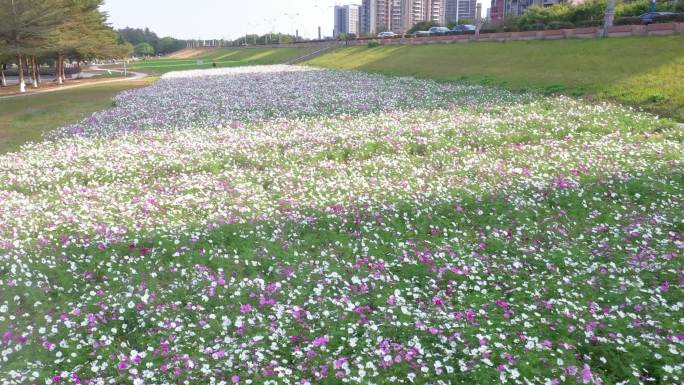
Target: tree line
column 146, row 42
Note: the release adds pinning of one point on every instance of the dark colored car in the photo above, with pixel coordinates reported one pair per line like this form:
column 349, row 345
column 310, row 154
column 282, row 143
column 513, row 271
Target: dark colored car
column 439, row 31
column 651, row 17
column 461, row 29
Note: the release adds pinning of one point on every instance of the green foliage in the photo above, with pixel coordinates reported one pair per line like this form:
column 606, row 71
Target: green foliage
column 25, row 25
column 454, row 23
column 163, row 45
column 422, row 26
column 632, row 9
column 373, row 44
column 143, row 49
column 568, row 15
column 679, row 6
column 25, row 120
column 637, row 8
column 590, row 13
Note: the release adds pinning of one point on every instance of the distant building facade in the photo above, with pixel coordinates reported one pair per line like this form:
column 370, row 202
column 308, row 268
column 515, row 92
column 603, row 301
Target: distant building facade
column 346, row 19
column 460, row 9
column 399, row 16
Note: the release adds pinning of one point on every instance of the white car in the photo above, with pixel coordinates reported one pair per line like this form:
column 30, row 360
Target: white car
column 386, row 34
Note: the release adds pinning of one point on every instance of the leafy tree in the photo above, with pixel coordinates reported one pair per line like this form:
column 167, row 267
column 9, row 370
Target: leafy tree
column 84, row 35
column 422, row 26
column 136, row 36
column 169, row 44
column 25, row 27
column 144, row 49
column 162, row 45
column 679, row 6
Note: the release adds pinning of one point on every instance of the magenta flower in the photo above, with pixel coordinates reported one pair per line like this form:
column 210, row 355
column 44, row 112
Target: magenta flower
column 665, row 287
column 320, row 341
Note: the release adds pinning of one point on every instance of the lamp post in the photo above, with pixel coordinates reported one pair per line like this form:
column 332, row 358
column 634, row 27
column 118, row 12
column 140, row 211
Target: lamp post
column 292, row 17
column 322, row 10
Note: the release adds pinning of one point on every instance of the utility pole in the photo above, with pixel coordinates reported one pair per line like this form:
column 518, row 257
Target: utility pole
column 458, row 10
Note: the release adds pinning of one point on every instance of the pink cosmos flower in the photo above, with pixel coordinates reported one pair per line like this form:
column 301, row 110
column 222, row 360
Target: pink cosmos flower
column 665, row 287
column 320, row 341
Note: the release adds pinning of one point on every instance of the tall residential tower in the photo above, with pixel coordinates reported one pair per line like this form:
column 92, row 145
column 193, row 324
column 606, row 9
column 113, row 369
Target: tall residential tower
column 346, row 19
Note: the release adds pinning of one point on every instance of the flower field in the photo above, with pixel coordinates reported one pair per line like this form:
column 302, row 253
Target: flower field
column 287, row 225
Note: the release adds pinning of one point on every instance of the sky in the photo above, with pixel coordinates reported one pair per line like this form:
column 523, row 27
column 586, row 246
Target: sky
column 224, row 19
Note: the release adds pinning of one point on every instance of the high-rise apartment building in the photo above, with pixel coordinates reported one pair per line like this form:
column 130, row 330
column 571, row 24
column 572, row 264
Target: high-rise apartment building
column 399, row 15
column 496, row 11
column 346, row 19
column 460, row 9
column 374, row 16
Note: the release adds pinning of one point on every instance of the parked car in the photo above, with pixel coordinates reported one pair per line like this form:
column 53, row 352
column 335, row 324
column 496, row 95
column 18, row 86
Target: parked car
column 386, row 34
column 650, row 17
column 421, row 33
column 464, row 28
column 439, row 31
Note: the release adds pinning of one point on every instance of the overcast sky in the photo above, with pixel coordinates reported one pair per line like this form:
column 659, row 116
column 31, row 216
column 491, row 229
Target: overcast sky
column 216, row 19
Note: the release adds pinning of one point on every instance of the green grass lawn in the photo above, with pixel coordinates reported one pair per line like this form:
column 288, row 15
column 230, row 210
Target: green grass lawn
column 223, row 57
column 642, row 71
column 26, row 118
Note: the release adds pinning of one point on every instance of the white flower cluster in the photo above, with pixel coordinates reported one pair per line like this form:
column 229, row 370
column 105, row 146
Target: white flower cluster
column 500, row 238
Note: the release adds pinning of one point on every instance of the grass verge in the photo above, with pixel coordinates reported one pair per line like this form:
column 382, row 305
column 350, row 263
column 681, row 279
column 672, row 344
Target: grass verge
column 25, row 119
column 647, row 72
column 222, row 57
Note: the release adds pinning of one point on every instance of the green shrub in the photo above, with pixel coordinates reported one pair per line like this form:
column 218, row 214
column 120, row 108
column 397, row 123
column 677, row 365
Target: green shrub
column 544, row 15
column 534, row 27
column 627, row 21
column 373, row 44
column 591, row 10
column 679, row 7
column 560, row 25
column 589, row 23
column 632, row 9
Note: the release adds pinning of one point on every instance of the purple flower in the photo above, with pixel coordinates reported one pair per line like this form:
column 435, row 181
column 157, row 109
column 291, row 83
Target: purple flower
column 320, row 341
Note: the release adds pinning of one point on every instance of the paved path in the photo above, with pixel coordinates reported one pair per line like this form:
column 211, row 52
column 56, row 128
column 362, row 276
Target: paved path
column 136, row 76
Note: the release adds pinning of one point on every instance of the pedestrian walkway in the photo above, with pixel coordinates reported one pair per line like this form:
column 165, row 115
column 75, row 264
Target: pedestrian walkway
column 136, row 76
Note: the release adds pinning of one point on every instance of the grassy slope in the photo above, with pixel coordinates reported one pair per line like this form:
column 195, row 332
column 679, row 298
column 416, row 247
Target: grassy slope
column 223, row 57
column 27, row 118
column 643, row 71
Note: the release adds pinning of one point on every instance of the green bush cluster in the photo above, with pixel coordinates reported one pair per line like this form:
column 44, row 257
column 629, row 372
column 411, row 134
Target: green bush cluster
column 588, row 14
